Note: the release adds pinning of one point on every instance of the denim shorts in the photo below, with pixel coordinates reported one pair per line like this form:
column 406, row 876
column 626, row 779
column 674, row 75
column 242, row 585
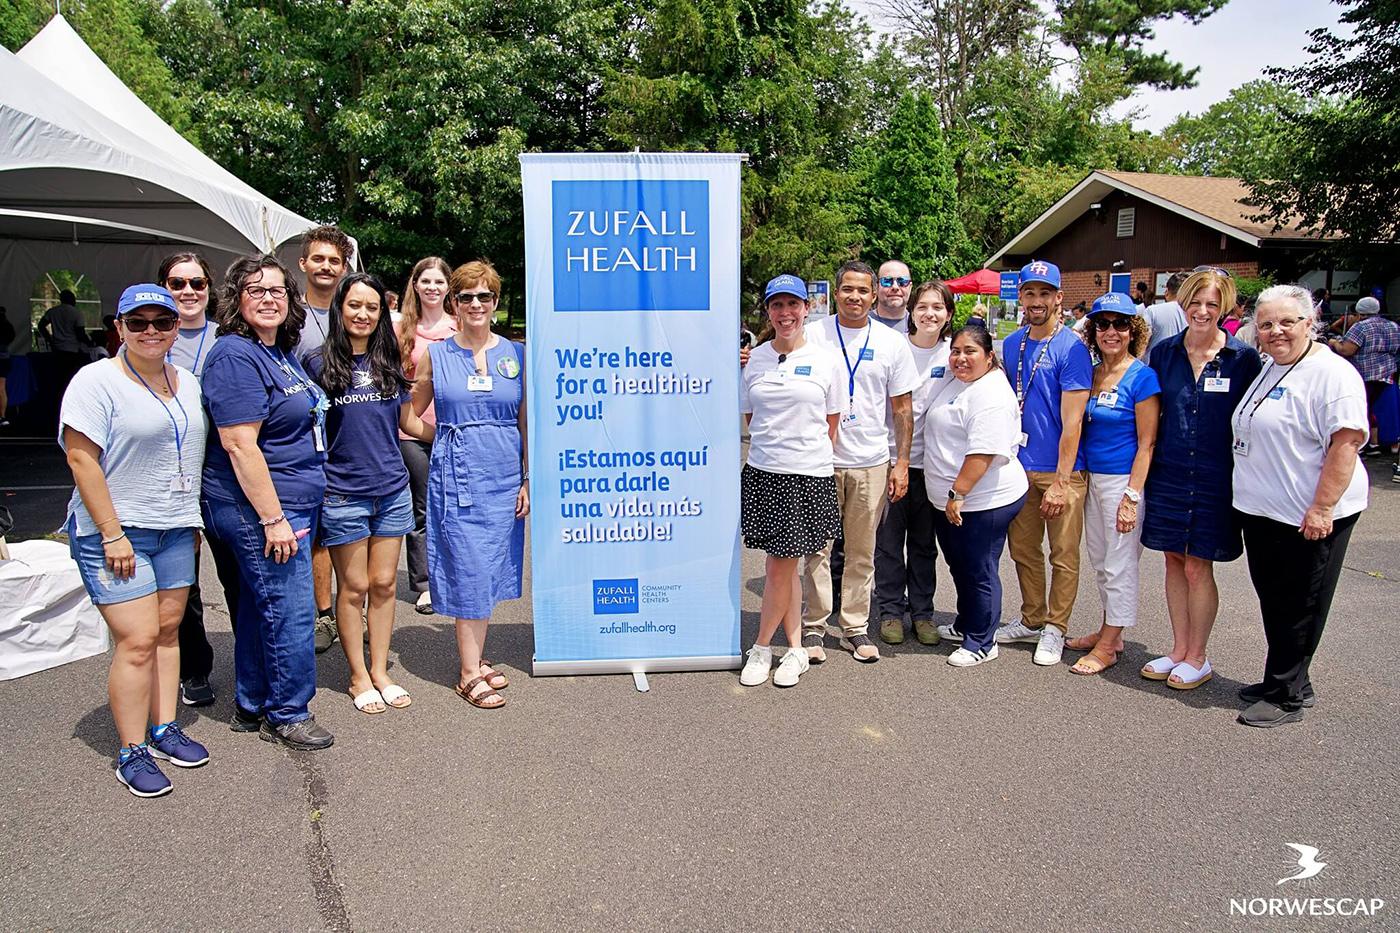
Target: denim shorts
column 346, row 519
column 164, row 561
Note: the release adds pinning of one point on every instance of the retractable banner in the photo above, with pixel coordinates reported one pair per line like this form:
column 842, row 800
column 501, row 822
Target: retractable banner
column 632, row 309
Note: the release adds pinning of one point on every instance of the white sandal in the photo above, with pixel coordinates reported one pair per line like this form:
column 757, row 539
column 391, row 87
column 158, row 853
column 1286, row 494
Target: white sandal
column 393, row 693
column 1188, row 677
column 1158, row 668
column 371, row 696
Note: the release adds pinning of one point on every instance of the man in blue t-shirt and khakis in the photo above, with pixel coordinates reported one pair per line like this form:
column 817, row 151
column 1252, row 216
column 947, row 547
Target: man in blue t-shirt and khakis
column 1051, row 371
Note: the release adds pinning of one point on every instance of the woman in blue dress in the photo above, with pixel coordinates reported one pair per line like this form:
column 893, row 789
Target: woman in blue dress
column 1203, row 372
column 478, row 482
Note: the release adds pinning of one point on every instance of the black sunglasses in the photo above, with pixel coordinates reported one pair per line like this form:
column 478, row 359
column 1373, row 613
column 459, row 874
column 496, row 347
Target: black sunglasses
column 138, row 325
column 1121, row 324
column 199, row 283
column 466, row 298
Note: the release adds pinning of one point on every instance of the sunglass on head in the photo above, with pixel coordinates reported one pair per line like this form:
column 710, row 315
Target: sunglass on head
column 1118, row 323
column 138, row 325
column 466, row 298
column 1216, row 269
column 889, row 281
column 176, row 284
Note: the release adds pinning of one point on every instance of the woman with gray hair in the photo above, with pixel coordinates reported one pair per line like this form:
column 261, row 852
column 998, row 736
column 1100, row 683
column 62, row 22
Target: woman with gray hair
column 1298, row 491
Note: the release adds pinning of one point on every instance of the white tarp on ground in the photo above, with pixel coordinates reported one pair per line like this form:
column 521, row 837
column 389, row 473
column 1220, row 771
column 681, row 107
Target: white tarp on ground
column 46, row 618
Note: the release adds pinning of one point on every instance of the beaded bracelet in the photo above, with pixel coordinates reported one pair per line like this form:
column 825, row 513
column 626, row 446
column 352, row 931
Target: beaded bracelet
column 271, row 521
column 107, row 541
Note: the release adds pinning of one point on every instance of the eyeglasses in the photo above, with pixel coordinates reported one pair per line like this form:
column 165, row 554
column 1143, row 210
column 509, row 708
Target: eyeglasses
column 138, row 325
column 1286, row 324
column 259, row 292
column 199, row 283
column 889, row 281
column 466, row 298
column 1216, row 269
column 1120, row 324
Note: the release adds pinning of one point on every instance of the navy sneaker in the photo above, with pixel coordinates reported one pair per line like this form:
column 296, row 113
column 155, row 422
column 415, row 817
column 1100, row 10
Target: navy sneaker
column 177, row 748
column 141, row 775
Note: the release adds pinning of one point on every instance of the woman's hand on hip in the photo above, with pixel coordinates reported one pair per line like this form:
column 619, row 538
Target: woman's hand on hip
column 281, row 543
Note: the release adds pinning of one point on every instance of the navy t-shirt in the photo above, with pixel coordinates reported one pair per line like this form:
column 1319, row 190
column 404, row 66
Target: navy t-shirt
column 245, row 381
column 1109, row 443
column 1066, row 367
column 362, row 441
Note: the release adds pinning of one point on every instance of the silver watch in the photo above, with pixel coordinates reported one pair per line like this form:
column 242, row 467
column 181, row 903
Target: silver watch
column 1132, row 495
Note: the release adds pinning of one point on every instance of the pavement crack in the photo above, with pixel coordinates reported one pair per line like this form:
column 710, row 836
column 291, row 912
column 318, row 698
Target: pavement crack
column 1373, row 574
column 320, row 861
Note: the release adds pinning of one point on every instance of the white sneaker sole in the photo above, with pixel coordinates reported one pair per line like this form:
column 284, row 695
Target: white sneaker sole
column 1045, row 660
column 156, row 753
column 991, row 656
column 141, row 793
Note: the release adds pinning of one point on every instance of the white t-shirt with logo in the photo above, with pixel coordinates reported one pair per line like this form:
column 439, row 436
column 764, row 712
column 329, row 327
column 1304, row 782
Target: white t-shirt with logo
column 789, row 402
column 883, row 368
column 974, row 418
column 1279, row 450
column 934, row 376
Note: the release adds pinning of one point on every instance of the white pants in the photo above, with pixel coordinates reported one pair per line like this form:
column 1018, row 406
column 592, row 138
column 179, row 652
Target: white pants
column 1113, row 556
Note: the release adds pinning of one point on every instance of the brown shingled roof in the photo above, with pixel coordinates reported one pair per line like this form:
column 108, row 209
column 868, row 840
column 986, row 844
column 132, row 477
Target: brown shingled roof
column 1218, row 198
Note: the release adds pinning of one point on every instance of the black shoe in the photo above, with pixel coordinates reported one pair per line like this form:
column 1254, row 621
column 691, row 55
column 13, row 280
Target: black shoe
column 325, row 632
column 1371, row 450
column 304, row 735
column 244, row 721
column 196, row 692
column 1395, row 473
column 1265, row 715
column 1255, row 692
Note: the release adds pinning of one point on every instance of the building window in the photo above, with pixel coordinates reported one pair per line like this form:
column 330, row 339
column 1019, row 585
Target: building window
column 1127, row 220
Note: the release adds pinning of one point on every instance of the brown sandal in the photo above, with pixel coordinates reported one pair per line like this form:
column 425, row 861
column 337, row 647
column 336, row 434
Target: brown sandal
column 465, row 692
column 493, row 675
column 1083, row 642
column 1095, row 662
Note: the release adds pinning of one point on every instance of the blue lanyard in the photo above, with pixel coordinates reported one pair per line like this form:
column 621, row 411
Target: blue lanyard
column 845, row 356
column 199, row 351
column 1021, row 364
column 179, row 441
column 317, row 398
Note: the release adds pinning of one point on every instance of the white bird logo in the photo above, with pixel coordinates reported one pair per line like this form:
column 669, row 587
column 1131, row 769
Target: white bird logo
column 1308, row 864
column 362, row 379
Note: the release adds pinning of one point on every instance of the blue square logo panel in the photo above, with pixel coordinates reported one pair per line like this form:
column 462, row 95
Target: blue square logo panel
column 615, row 597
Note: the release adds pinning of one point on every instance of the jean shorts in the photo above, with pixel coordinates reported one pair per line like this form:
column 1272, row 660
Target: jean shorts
column 164, row 561
column 347, row 519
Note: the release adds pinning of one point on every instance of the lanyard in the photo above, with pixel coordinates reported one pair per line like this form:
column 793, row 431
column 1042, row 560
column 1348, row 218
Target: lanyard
column 199, row 351
column 179, row 441
column 1254, row 389
column 1021, row 364
column 851, row 370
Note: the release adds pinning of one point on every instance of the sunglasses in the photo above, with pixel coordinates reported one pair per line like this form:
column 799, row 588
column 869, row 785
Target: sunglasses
column 1216, row 269
column 1120, row 324
column 889, row 281
column 138, row 325
column 259, row 292
column 176, row 284
column 466, row 298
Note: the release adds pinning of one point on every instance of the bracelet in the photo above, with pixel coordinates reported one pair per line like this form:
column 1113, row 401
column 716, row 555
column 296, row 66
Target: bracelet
column 107, row 521
column 272, row 521
column 525, row 477
column 107, row 541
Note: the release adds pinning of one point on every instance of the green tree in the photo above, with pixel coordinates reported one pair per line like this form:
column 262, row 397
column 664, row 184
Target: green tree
column 19, row 21
column 1241, row 135
column 1120, row 30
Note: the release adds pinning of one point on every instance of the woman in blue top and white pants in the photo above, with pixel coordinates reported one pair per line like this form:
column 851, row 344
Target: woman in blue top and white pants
column 1120, row 430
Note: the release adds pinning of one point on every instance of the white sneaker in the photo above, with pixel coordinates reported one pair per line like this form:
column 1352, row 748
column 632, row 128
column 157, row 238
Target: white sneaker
column 756, row 669
column 965, row 658
column 1051, row 646
column 1018, row 631
column 948, row 633
column 793, row 665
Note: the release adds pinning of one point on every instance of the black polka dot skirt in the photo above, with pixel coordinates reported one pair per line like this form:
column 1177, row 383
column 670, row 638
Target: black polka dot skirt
column 787, row 514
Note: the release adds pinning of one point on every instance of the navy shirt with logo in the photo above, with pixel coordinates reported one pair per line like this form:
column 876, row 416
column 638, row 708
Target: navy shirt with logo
column 362, row 442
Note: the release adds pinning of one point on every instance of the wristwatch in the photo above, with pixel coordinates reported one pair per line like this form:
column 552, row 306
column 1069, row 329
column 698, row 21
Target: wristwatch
column 955, row 496
column 1132, row 495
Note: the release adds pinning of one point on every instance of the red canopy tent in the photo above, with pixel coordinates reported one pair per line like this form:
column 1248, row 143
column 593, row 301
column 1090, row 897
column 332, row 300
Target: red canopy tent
column 981, row 282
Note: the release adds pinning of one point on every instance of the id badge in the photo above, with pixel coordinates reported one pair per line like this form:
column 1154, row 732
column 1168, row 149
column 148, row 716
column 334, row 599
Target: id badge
column 319, row 435
column 1241, row 446
column 850, row 416
column 478, row 383
column 1216, row 384
column 1024, row 440
column 182, row 484
column 1108, row 399
column 776, row 375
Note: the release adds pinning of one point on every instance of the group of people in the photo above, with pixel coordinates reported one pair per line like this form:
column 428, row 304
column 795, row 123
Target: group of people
column 882, row 434
column 273, row 425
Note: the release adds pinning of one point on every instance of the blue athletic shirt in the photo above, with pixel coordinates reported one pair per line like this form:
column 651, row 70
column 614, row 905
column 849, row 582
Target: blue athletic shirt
column 362, row 441
column 1065, row 368
column 245, row 381
column 1109, row 442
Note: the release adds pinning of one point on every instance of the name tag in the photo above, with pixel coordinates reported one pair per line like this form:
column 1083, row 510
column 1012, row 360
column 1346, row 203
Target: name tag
column 1277, row 392
column 1024, row 440
column 319, row 436
column 1108, row 399
column 937, row 372
column 803, row 371
column 1217, row 385
column 867, row 354
column 478, row 383
column 182, row 484
column 1241, row 447
column 776, row 375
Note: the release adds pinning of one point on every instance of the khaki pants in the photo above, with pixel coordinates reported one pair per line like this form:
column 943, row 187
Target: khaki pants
column 1024, row 538
column 861, row 496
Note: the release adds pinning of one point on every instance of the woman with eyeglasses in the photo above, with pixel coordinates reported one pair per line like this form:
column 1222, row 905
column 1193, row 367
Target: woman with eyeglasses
column 1120, row 429
column 368, row 508
column 426, row 319
column 1203, row 372
column 478, row 481
column 132, row 430
column 263, row 485
column 1299, row 488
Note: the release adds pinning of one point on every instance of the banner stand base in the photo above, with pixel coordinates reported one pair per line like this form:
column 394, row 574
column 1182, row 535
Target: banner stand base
column 639, row 680
column 635, row 666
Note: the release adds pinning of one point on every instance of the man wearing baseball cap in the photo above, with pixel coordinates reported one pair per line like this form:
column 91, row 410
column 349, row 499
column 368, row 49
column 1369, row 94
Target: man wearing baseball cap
column 1371, row 344
column 1050, row 370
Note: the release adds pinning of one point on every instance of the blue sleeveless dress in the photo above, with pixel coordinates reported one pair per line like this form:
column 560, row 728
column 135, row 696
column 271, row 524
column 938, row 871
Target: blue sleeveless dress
column 476, row 545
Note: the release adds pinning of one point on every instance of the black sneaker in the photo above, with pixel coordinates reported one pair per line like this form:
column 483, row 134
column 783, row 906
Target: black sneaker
column 1255, row 692
column 326, row 633
column 1265, row 715
column 1371, row 450
column 196, row 692
column 1395, row 473
column 244, row 721
column 304, row 735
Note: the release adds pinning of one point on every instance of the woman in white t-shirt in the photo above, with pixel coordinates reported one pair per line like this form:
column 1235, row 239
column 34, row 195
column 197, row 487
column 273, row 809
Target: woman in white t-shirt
column 793, row 395
column 133, row 431
column 971, row 434
column 1298, row 491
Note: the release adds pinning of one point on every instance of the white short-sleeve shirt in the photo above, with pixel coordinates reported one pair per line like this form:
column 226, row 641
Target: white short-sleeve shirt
column 974, row 418
column 136, row 431
column 879, row 365
column 790, row 402
column 934, row 376
column 1282, row 428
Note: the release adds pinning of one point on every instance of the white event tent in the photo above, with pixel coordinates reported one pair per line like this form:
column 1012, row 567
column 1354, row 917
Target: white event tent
column 92, row 180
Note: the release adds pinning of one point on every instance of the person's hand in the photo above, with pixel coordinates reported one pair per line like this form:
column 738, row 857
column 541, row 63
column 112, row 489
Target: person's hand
column 1056, row 498
column 522, row 500
column 954, row 512
column 898, row 483
column 281, row 543
column 1317, row 523
column 1127, row 515
column 121, row 559
column 744, row 356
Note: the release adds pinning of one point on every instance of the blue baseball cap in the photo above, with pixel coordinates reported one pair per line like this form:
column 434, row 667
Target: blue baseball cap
column 1116, row 302
column 146, row 296
column 1038, row 270
column 785, row 285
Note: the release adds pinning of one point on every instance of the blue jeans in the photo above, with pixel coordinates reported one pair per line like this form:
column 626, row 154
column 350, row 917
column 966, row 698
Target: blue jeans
column 274, row 652
column 973, row 551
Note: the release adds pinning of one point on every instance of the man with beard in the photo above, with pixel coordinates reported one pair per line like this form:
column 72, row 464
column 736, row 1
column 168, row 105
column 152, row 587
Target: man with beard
column 892, row 295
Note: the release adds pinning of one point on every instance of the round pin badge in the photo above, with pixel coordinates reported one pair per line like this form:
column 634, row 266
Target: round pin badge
column 508, row 367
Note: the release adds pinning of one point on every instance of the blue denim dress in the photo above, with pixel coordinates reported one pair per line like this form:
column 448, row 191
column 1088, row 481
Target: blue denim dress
column 1188, row 492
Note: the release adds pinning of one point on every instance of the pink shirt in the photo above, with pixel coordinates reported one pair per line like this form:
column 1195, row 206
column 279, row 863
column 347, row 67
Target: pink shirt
column 423, row 338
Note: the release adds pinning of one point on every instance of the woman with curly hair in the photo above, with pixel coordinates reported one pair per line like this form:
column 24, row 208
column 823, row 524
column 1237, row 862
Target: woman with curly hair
column 1120, row 430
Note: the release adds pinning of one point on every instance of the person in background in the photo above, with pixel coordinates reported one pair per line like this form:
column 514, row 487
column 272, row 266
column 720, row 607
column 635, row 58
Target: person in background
column 1371, row 344
column 1166, row 319
column 1234, row 317
column 189, row 280
column 978, row 316
column 112, row 340
column 905, row 545
column 1141, row 297
column 971, row 432
column 7, row 337
column 264, row 482
column 1120, row 429
column 134, row 438
column 892, row 295
column 427, row 319
column 1203, row 372
column 1080, row 317
column 1299, row 489
column 476, row 534
column 391, row 301
column 792, row 394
